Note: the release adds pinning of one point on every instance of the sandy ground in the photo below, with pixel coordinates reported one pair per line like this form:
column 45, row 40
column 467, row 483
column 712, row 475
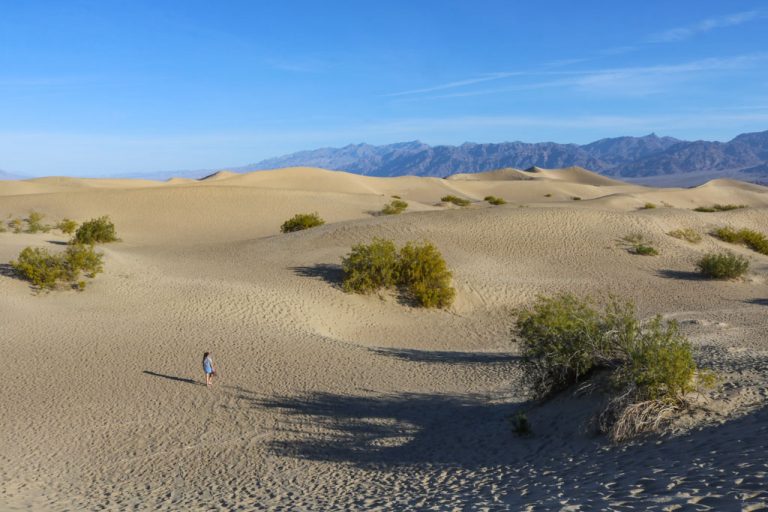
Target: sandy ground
column 331, row 401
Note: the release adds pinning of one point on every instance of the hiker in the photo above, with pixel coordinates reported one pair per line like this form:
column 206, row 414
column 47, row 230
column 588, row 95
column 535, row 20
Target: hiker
column 208, row 368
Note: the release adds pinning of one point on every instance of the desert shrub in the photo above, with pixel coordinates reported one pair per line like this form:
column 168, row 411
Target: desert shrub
column 725, row 265
column 752, row 239
column 520, row 424
column 17, row 225
column 35, row 223
column 638, row 244
column 67, row 226
column 576, row 198
column 687, row 234
column 301, row 221
column 645, row 250
column 547, row 195
column 44, row 270
column 395, row 207
column 40, row 267
column 564, row 339
column 370, row 267
column 458, row 201
column 496, row 201
column 396, row 197
column 425, row 275
column 719, row 208
column 648, row 206
column 95, row 231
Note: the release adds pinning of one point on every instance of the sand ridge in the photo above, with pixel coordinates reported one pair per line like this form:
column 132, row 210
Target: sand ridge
column 334, row 401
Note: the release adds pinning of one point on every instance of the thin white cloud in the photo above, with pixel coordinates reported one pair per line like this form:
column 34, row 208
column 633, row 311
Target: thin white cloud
column 682, row 33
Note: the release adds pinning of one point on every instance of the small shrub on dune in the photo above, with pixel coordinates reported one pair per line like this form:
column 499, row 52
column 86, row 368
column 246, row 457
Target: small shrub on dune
column 424, row 273
column 547, row 195
column 564, row 339
column 576, row 198
column 16, row 225
column 395, row 207
column 396, row 197
column 458, row 201
column 67, row 226
column 724, row 265
column 687, row 234
column 645, row 250
column 648, row 206
column 496, row 201
column 35, row 223
column 95, row 231
column 719, row 208
column 370, row 267
column 638, row 244
column 752, row 239
column 301, row 221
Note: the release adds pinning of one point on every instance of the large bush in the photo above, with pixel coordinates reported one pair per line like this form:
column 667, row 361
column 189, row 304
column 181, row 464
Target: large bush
column 725, row 265
column 301, row 221
column 45, row 270
column 368, row 268
column 418, row 269
column 752, row 239
column 564, row 339
column 425, row 275
column 395, row 207
column 95, row 231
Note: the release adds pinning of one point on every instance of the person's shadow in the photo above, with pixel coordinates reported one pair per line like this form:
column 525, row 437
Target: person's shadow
column 171, row 377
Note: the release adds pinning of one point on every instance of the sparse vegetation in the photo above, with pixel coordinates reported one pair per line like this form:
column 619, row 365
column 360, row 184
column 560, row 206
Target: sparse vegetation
column 648, row 206
column 547, row 195
column 67, row 226
column 35, row 223
column 752, row 239
column 395, row 207
column 396, row 197
column 724, row 265
column 638, row 244
column 645, row 250
column 565, row 340
column 520, row 424
column 45, row 270
column 419, row 270
column 301, row 221
column 576, row 198
column 458, row 201
column 496, row 201
column 16, row 225
column 719, row 208
column 95, row 231
column 687, row 234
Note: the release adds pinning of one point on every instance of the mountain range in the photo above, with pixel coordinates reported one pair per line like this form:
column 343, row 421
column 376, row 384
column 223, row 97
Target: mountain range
column 649, row 158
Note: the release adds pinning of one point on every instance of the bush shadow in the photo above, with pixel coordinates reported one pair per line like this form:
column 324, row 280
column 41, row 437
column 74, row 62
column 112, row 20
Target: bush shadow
column 759, row 302
column 681, row 274
column 447, row 357
column 331, row 273
column 8, row 271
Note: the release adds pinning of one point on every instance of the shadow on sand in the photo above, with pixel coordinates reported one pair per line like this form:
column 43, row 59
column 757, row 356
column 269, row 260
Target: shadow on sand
column 329, row 272
column 681, row 274
column 759, row 302
column 8, row 271
column 447, row 357
column 172, row 377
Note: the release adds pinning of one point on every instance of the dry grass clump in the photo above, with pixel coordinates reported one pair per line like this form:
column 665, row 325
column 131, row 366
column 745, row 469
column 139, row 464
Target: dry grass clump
column 395, row 207
column 45, row 270
column 418, row 270
column 16, row 225
column 752, row 239
column 648, row 206
column 565, row 340
column 724, row 265
column 35, row 223
column 687, row 234
column 496, row 201
column 638, row 244
column 719, row 208
column 95, row 231
column 67, row 226
column 458, row 201
column 301, row 221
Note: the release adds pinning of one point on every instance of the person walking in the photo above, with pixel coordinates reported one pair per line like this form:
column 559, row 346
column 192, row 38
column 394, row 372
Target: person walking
column 210, row 371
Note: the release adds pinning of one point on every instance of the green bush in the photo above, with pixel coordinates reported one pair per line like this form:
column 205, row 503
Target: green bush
column 458, row 201
column 687, row 234
column 724, row 265
column 67, row 226
column 645, row 250
column 44, row 270
column 425, row 275
column 638, row 244
column 564, row 339
column 395, row 207
column 368, row 268
column 301, row 221
column 648, row 206
column 496, row 201
column 520, row 424
column 576, row 198
column 95, row 231
column 547, row 195
column 752, row 239
column 40, row 267
column 35, row 223
column 719, row 208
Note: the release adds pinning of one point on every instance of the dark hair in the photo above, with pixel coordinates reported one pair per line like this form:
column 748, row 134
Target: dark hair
column 205, row 354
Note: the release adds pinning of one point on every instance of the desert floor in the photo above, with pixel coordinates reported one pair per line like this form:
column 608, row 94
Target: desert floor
column 331, row 401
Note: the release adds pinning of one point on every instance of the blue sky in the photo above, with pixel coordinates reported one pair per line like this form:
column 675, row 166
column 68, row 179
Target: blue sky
column 104, row 87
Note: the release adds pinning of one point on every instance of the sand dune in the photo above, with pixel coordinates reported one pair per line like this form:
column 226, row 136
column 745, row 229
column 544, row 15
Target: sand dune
column 332, row 401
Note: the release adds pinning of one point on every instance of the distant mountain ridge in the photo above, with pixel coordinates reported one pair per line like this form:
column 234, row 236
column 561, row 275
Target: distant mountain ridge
column 744, row 157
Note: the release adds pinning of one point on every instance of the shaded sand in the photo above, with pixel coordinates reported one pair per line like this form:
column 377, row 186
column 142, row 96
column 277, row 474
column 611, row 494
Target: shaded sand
column 330, row 401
